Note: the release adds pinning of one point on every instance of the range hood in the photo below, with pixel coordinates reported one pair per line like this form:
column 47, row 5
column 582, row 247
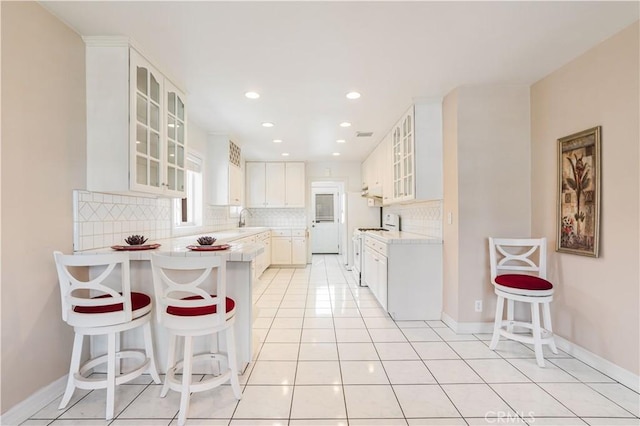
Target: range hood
column 372, row 191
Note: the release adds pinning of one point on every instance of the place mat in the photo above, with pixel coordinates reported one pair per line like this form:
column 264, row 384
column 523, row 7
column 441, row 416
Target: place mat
column 209, row 248
column 134, row 248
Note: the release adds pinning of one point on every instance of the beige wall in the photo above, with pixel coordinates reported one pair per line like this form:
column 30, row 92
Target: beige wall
column 597, row 300
column 490, row 161
column 43, row 147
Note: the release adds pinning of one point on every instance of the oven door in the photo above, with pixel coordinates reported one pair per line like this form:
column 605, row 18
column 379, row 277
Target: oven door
column 357, row 257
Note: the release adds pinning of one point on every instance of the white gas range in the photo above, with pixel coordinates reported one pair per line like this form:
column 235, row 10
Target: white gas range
column 391, row 222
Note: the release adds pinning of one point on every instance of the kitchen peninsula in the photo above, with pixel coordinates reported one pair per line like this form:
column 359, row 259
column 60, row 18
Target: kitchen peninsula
column 240, row 280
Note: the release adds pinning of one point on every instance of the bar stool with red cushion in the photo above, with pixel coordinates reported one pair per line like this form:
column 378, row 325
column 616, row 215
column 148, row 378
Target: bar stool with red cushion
column 103, row 306
column 519, row 274
column 187, row 310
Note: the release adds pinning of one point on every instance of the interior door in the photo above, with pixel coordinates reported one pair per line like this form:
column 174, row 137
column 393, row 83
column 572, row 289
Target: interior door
column 325, row 225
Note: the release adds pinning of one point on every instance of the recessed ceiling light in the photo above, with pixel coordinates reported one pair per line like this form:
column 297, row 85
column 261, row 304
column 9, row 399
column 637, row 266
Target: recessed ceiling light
column 252, row 95
column 353, row 95
column 267, row 124
column 341, row 141
column 277, row 141
column 335, row 154
column 285, row 154
column 345, row 124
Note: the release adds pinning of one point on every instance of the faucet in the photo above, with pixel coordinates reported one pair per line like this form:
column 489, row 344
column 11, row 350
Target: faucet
column 241, row 220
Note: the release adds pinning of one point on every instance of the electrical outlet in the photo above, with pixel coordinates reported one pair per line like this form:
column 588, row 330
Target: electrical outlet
column 478, row 305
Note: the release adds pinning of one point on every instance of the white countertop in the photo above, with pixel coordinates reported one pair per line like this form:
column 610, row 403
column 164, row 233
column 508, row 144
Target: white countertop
column 401, row 237
column 238, row 252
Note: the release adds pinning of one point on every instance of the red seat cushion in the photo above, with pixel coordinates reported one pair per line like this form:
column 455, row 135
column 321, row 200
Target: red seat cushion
column 138, row 301
column 523, row 282
column 200, row 310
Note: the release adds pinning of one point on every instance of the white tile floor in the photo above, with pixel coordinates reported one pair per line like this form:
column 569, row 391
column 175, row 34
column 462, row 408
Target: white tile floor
column 328, row 355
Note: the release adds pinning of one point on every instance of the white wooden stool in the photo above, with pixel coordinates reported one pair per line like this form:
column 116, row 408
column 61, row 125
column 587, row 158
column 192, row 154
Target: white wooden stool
column 525, row 281
column 99, row 306
column 187, row 310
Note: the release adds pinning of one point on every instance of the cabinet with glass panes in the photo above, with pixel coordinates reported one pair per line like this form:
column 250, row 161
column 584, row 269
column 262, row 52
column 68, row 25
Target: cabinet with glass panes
column 136, row 122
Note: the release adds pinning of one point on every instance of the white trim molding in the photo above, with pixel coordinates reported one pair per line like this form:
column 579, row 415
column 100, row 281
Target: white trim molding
column 467, row 327
column 34, row 403
column 607, row 367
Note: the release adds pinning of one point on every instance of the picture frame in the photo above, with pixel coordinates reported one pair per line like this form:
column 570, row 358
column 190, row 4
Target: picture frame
column 579, row 172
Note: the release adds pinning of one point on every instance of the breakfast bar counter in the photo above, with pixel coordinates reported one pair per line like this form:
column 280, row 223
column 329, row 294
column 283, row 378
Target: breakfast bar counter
column 239, row 287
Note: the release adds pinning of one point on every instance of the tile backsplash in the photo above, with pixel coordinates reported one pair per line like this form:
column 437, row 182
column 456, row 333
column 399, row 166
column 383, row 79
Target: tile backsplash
column 296, row 218
column 103, row 220
column 422, row 217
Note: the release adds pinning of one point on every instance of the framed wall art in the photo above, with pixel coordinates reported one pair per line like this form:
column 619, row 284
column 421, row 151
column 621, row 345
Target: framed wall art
column 578, row 218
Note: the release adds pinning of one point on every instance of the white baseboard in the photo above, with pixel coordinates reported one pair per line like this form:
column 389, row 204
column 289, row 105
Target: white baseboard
column 34, row 403
column 607, row 367
column 612, row 370
column 467, row 327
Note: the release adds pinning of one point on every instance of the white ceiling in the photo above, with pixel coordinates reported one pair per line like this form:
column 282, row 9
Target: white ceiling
column 303, row 57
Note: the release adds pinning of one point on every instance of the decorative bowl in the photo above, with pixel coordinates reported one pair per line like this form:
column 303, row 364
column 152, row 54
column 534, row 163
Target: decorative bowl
column 135, row 240
column 206, row 241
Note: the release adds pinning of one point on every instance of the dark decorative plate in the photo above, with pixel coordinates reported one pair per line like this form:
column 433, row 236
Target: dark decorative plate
column 209, row 248
column 134, row 248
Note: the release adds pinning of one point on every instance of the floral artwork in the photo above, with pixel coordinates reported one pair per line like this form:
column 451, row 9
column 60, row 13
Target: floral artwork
column 579, row 193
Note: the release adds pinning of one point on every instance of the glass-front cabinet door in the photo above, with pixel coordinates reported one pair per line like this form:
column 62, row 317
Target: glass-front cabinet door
column 146, row 93
column 396, row 143
column 176, row 140
column 407, row 156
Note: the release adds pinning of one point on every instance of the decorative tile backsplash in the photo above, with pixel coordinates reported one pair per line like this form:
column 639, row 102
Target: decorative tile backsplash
column 103, row 220
column 277, row 217
column 423, row 217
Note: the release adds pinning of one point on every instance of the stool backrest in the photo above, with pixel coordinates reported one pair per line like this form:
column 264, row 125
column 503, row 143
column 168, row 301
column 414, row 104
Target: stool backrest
column 80, row 295
column 518, row 255
column 178, row 282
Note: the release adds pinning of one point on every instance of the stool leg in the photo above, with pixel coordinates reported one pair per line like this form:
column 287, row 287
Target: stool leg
column 497, row 325
column 537, row 338
column 216, row 370
column 233, row 362
column 73, row 369
column 510, row 310
column 186, row 381
column 111, row 374
column 148, row 345
column 546, row 317
column 171, row 362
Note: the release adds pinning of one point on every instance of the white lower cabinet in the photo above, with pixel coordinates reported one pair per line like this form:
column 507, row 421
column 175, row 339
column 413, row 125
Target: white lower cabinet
column 281, row 246
column 263, row 260
column 375, row 269
column 289, row 247
column 405, row 278
column 298, row 250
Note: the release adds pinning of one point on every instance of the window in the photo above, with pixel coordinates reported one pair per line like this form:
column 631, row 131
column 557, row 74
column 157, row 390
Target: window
column 188, row 211
column 324, row 208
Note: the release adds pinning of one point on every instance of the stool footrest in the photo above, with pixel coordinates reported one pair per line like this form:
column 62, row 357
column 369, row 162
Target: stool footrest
column 176, row 384
column 546, row 336
column 83, row 382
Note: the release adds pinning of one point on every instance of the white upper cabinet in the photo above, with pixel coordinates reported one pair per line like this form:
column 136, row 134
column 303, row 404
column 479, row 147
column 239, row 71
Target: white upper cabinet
column 417, row 153
column 275, row 184
column 255, row 184
column 136, row 122
column 386, row 170
column 408, row 161
column 224, row 171
column 295, row 183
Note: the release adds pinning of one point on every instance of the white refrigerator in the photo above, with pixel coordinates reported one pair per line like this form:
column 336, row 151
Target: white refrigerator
column 359, row 215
